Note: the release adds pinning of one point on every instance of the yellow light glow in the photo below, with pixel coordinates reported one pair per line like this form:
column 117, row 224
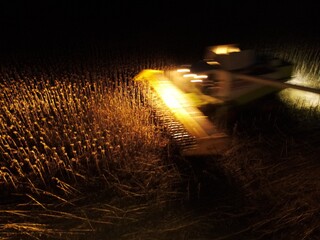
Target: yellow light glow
column 303, row 98
column 180, row 106
column 169, row 96
column 201, row 76
column 213, row 63
column 183, row 70
column 196, row 80
column 225, row 49
column 191, row 75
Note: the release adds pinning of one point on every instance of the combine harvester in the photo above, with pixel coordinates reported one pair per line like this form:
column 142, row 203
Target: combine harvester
column 226, row 76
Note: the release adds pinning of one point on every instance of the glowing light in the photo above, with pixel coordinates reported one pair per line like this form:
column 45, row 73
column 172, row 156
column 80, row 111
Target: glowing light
column 305, row 99
column 213, row 63
column 183, row 70
column 191, row 75
column 201, row 76
column 196, row 80
column 225, row 49
column 169, row 96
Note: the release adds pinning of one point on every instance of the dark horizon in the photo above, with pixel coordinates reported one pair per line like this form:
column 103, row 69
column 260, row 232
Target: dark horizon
column 64, row 23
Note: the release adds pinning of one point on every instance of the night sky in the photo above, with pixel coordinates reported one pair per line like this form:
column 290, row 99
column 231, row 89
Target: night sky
column 31, row 23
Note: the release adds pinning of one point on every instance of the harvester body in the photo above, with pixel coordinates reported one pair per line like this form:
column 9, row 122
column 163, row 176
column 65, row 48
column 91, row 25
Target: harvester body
column 226, row 76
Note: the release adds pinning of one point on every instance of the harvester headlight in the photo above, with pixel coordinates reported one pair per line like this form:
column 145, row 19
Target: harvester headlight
column 191, row 75
column 183, row 70
column 214, row 63
column 201, row 76
column 225, row 49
